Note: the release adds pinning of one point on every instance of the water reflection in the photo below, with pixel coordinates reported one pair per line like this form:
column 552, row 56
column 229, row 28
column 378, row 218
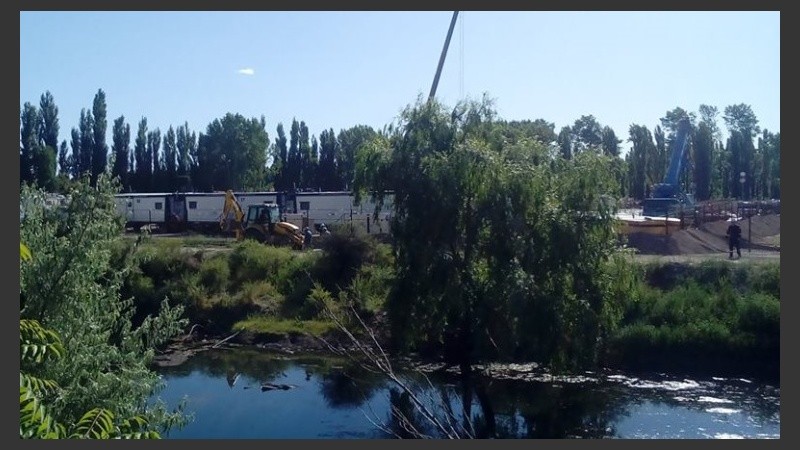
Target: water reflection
column 331, row 398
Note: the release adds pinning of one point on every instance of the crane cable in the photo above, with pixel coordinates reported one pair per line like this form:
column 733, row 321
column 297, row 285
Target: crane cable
column 461, row 68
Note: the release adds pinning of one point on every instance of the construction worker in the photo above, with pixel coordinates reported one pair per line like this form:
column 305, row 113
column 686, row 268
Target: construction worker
column 734, row 234
column 308, row 237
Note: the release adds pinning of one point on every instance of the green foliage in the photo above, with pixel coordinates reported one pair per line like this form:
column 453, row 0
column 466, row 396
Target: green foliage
column 252, row 261
column 36, row 344
column 214, row 273
column 73, row 288
column 342, row 258
column 501, row 250
column 370, row 288
column 701, row 315
column 263, row 294
column 232, row 154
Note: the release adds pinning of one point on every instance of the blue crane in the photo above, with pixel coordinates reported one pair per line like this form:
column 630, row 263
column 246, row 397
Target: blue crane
column 667, row 197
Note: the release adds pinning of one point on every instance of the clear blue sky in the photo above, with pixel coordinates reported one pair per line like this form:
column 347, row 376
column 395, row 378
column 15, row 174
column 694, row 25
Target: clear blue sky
column 340, row 69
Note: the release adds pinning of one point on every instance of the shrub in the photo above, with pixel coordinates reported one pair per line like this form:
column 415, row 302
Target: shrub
column 214, row 273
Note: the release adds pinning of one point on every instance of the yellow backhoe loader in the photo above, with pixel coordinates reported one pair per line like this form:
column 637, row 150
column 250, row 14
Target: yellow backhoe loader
column 262, row 223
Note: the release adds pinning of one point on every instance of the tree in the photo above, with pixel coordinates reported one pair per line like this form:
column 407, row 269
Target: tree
column 658, row 157
column 769, row 148
column 703, row 146
column 716, row 161
column 99, row 126
column 327, row 173
column 64, row 169
column 87, row 142
column 280, row 160
column 587, row 134
column 743, row 124
column 565, row 142
column 45, row 156
column 610, row 142
column 314, row 172
column 639, row 161
column 741, row 118
column 307, row 161
column 708, row 115
column 144, row 159
column 44, row 165
column 48, row 126
column 293, row 165
column 29, row 142
column 232, row 154
column 154, row 150
column 121, row 149
column 539, row 130
column 350, row 141
column 170, row 160
column 72, row 287
column 187, row 152
column 75, row 155
column 497, row 257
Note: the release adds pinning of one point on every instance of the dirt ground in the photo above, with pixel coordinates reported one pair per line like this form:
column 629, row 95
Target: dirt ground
column 760, row 238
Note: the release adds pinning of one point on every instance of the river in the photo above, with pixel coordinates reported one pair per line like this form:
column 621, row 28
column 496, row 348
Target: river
column 252, row 394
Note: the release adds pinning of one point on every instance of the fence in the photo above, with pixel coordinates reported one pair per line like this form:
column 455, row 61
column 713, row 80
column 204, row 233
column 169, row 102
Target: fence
column 716, row 210
column 350, row 221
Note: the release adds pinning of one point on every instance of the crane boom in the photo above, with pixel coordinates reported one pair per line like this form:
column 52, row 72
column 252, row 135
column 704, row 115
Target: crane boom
column 442, row 57
column 667, row 195
column 678, row 152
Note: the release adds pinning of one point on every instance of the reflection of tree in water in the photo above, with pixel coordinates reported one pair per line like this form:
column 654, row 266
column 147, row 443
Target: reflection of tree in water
column 463, row 409
column 350, row 386
column 486, row 408
column 217, row 363
column 250, row 363
column 570, row 410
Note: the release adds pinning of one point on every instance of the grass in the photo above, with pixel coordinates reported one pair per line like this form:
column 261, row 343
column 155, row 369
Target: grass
column 272, row 325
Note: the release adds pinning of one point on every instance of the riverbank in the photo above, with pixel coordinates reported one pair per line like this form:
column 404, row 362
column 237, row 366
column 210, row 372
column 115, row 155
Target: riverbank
column 681, row 312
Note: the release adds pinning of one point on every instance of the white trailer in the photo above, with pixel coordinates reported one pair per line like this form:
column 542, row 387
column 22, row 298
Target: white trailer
column 246, row 199
column 204, row 209
column 142, row 209
column 328, row 207
column 340, row 209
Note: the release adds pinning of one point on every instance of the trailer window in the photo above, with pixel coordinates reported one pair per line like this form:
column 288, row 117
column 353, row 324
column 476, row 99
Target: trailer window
column 192, row 205
column 159, row 205
column 304, row 206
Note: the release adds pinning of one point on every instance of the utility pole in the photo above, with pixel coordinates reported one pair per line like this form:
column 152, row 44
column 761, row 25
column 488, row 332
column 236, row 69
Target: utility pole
column 441, row 58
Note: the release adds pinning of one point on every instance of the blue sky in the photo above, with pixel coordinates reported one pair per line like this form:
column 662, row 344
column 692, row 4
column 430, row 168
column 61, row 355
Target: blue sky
column 341, row 69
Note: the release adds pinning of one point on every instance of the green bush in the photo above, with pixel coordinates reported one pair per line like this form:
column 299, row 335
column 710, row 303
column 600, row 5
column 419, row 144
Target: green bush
column 343, row 256
column 214, row 273
column 262, row 294
column 760, row 314
column 251, row 261
column 766, row 278
column 715, row 315
column 370, row 287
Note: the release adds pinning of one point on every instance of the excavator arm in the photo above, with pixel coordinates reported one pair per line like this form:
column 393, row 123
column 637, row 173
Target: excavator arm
column 232, row 216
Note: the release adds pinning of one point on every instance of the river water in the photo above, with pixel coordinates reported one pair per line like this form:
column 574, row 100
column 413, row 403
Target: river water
column 313, row 397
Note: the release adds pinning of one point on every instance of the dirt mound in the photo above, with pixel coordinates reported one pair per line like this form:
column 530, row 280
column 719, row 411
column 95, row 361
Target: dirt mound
column 710, row 238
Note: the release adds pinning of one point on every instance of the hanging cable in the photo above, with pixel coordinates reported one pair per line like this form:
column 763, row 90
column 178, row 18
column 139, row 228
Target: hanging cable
column 461, row 69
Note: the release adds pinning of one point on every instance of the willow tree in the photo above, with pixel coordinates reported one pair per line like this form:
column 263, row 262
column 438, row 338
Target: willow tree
column 502, row 251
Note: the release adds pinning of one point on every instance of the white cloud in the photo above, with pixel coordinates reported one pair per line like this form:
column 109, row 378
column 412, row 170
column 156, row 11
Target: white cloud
column 247, row 71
